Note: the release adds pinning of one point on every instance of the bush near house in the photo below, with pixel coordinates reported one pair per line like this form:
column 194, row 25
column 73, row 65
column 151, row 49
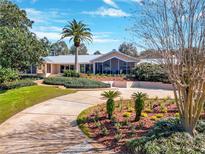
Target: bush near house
column 71, row 73
column 8, row 75
column 69, row 82
column 150, row 72
column 30, row 76
column 16, row 84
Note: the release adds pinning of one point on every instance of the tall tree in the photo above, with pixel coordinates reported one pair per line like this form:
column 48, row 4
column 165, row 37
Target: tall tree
column 77, row 32
column 59, row 48
column 97, row 52
column 13, row 17
column 19, row 48
column 176, row 29
column 128, row 49
column 82, row 50
column 150, row 53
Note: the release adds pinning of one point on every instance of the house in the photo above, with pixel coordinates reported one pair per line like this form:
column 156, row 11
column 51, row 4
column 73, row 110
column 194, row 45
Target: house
column 111, row 63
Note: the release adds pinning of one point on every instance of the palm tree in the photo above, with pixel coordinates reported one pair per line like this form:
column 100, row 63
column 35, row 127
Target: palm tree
column 110, row 104
column 77, row 32
column 139, row 99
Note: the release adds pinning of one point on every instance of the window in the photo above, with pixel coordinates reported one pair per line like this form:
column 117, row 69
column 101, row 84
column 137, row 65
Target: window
column 67, row 67
column 62, row 68
column 82, row 68
column 48, row 68
column 71, row 67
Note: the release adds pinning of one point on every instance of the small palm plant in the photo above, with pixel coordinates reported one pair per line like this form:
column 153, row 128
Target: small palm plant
column 110, row 104
column 139, row 104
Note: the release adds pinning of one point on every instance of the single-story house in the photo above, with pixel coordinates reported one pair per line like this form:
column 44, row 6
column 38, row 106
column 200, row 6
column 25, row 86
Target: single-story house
column 111, row 63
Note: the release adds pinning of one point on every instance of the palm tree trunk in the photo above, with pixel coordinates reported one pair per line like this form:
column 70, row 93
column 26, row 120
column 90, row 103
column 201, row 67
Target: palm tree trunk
column 76, row 60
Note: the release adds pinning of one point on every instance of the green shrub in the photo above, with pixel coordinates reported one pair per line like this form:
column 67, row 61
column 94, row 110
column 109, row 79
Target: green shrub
column 71, row 73
column 16, row 84
column 167, row 136
column 8, row 75
column 150, row 72
column 110, row 104
column 30, row 76
column 75, row 82
column 139, row 104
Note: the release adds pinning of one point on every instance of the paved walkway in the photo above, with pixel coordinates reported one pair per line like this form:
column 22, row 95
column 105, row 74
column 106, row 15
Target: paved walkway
column 50, row 127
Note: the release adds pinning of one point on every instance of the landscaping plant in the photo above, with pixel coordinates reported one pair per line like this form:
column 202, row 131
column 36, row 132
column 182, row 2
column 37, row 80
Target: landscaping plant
column 139, row 99
column 180, row 43
column 71, row 73
column 77, row 32
column 8, row 75
column 110, row 104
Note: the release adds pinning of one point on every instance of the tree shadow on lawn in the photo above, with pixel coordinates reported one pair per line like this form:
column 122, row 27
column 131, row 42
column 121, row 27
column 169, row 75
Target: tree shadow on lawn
column 43, row 138
column 2, row 91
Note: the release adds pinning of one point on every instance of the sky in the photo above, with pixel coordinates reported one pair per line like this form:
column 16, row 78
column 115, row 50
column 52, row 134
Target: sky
column 107, row 19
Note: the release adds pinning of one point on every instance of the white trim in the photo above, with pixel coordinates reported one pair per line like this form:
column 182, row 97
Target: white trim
column 117, row 58
column 114, row 56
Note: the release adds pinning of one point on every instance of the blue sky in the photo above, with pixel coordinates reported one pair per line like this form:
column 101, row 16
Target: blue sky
column 108, row 19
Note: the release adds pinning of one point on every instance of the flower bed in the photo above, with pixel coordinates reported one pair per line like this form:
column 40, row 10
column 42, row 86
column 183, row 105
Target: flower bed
column 116, row 132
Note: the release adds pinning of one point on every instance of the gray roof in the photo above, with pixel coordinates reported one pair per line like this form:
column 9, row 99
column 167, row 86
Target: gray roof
column 69, row 59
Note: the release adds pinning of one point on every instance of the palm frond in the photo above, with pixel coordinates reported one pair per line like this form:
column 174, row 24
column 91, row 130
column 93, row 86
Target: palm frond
column 110, row 94
column 77, row 30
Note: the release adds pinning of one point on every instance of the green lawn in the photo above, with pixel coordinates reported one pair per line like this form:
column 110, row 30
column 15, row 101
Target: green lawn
column 14, row 101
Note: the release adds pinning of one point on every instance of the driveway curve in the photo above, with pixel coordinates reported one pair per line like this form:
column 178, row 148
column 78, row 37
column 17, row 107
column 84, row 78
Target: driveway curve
column 50, row 127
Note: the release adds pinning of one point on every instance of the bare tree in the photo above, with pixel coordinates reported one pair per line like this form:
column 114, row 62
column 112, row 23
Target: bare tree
column 176, row 29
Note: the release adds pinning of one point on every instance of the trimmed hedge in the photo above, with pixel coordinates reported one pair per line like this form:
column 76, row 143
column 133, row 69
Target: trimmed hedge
column 75, row 82
column 30, row 76
column 71, row 73
column 150, row 72
column 167, row 136
column 16, row 84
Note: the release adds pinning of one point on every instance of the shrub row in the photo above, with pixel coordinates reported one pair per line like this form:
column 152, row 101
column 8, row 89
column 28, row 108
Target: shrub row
column 16, row 84
column 29, row 76
column 75, row 82
column 71, row 73
column 167, row 136
column 150, row 72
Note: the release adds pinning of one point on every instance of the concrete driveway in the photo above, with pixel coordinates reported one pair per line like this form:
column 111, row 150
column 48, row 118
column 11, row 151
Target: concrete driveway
column 50, row 127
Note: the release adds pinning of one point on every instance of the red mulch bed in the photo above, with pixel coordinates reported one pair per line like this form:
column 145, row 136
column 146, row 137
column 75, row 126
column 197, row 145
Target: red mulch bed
column 129, row 128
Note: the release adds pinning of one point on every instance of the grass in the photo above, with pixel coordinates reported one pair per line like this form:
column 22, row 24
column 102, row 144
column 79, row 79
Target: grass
column 82, row 119
column 14, row 101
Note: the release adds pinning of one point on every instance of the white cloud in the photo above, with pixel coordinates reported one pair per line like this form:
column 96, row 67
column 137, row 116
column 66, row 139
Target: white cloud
column 101, row 40
column 48, row 29
column 54, row 36
column 111, row 3
column 47, row 16
column 107, row 12
column 103, row 37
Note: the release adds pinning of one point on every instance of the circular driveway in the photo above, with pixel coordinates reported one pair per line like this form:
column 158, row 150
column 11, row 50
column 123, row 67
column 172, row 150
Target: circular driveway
column 50, row 127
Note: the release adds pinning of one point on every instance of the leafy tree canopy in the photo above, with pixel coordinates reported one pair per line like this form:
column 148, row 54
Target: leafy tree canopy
column 19, row 48
column 97, row 52
column 81, row 51
column 13, row 17
column 129, row 49
column 59, row 48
